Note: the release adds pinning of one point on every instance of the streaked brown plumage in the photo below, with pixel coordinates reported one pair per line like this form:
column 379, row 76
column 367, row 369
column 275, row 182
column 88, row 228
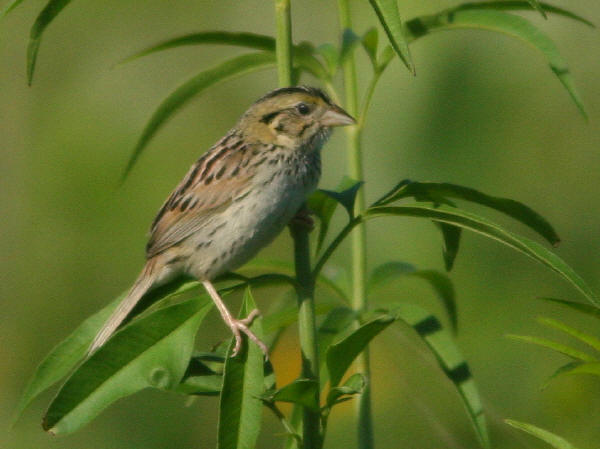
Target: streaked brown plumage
column 237, row 198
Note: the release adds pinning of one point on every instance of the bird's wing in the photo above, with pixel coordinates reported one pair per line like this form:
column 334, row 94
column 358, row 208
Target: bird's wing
column 217, row 179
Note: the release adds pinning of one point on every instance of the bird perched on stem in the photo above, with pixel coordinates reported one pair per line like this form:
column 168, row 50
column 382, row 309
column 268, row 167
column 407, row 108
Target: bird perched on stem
column 237, row 198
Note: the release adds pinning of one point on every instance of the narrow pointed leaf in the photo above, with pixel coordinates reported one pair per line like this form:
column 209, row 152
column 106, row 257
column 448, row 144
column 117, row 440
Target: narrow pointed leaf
column 512, row 25
column 341, row 354
column 565, row 369
column 485, row 227
column 68, row 353
column 522, row 5
column 347, row 196
column 538, row 7
column 63, row 357
column 331, row 56
column 249, row 40
column 588, row 309
column 300, row 391
column 451, row 237
column 558, row 347
column 226, row 70
column 303, row 55
column 349, row 42
column 370, row 41
column 387, row 12
column 592, row 368
column 590, row 340
column 199, row 379
column 335, row 324
column 240, row 409
column 552, row 439
column 152, row 351
column 441, row 284
column 8, row 8
column 440, row 192
column 452, row 362
column 353, row 386
column 48, row 14
column 324, row 202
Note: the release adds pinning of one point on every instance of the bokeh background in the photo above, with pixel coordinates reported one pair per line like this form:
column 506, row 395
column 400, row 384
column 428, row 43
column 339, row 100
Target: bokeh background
column 484, row 111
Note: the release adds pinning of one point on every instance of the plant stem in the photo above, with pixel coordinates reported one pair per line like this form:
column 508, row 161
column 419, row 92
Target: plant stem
column 311, row 431
column 283, row 45
column 359, row 237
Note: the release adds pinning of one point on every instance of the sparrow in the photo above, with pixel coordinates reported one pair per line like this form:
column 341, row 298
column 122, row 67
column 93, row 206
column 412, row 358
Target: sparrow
column 236, row 199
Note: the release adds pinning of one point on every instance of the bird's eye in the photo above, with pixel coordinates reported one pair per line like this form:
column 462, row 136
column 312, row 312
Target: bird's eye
column 303, row 108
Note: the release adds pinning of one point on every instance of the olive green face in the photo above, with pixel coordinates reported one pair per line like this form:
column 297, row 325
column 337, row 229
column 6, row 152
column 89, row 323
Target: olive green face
column 294, row 116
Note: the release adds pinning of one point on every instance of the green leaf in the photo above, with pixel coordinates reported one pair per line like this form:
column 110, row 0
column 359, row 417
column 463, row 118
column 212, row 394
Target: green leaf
column 48, row 14
column 63, row 357
column 234, row 67
column 8, row 8
column 349, row 42
column 324, row 202
column 152, row 351
column 347, row 196
column 288, row 268
column 200, row 379
column 485, row 227
column 441, row 284
column 501, row 22
column 558, row 347
column 387, row 12
column 441, row 192
column 370, row 42
column 552, row 439
column 240, row 410
column 588, row 309
column 303, row 54
column 443, row 347
column 323, row 207
column 451, row 236
column 586, row 368
column 590, row 340
column 536, row 5
column 354, row 385
column 300, row 391
column 521, row 5
column 335, row 323
column 341, row 354
column 386, row 56
column 565, row 369
column 249, row 40
column 331, row 57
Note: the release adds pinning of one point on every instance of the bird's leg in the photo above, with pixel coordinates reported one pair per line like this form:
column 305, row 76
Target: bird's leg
column 303, row 219
column 236, row 326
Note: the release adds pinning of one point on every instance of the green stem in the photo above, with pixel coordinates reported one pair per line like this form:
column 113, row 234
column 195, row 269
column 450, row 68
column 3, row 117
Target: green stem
column 359, row 238
column 283, row 45
column 311, row 431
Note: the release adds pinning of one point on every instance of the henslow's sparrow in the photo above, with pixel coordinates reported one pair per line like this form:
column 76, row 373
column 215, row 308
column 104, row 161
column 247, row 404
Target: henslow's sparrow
column 237, row 198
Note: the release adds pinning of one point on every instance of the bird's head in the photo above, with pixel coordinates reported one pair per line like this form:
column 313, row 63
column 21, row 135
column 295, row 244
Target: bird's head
column 294, row 117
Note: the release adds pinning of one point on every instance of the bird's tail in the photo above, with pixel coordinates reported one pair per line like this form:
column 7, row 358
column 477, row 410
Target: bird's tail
column 140, row 287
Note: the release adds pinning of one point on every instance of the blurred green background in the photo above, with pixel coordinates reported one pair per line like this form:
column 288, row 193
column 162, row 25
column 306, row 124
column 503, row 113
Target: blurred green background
column 484, row 111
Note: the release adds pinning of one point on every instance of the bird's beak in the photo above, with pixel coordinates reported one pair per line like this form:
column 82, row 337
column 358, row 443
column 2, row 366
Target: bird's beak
column 336, row 116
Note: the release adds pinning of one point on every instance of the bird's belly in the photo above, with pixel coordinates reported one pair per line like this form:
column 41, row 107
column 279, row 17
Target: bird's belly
column 244, row 228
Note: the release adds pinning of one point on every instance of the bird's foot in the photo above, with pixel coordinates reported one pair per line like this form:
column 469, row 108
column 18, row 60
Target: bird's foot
column 242, row 326
column 303, row 219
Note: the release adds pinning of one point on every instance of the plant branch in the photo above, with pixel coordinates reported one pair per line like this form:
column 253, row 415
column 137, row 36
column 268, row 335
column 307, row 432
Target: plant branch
column 311, row 431
column 359, row 239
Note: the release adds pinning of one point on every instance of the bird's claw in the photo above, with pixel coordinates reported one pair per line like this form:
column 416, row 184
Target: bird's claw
column 302, row 219
column 241, row 326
